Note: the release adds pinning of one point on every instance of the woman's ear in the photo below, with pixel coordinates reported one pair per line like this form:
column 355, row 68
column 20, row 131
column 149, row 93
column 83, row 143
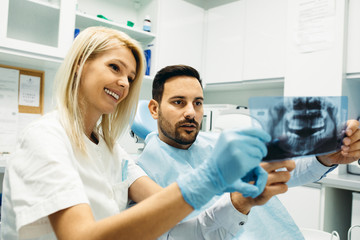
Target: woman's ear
column 154, row 108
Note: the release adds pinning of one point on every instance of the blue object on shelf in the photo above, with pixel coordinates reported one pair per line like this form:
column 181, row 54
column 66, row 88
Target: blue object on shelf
column 76, row 32
column 147, row 53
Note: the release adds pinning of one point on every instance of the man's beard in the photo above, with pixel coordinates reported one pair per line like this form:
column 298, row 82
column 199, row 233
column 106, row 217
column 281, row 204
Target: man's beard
column 174, row 134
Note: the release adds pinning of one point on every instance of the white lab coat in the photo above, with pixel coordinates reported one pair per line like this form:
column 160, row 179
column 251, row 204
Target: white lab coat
column 46, row 174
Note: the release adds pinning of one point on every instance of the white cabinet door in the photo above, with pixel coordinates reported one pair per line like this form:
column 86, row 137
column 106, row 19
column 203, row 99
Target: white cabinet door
column 264, row 53
column 37, row 27
column 179, row 34
column 353, row 41
column 303, row 204
column 224, row 43
column 355, row 216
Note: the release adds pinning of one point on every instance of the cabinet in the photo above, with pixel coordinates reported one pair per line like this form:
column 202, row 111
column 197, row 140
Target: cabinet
column 355, row 215
column 180, row 34
column 245, row 41
column 338, row 202
column 306, row 214
column 37, row 27
column 37, row 33
column 223, row 56
column 44, row 30
column 332, row 204
column 264, row 47
column 249, row 42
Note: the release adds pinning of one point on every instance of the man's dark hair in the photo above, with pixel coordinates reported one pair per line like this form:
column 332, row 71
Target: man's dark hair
column 169, row 72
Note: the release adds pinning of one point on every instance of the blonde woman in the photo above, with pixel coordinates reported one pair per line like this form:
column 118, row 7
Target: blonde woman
column 69, row 180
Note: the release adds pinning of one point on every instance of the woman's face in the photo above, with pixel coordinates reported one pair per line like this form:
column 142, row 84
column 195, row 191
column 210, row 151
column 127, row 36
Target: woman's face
column 105, row 81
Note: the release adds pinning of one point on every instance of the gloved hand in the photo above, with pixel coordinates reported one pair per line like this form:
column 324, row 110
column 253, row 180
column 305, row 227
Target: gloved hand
column 257, row 175
column 236, row 154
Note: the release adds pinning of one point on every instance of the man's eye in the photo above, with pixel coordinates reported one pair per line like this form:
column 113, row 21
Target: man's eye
column 115, row 67
column 198, row 103
column 178, row 102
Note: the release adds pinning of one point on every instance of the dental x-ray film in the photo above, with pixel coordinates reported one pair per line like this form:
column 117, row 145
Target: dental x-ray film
column 300, row 126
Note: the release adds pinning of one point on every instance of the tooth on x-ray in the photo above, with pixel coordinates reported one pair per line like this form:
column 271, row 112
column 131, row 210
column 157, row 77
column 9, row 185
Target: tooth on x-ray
column 301, row 126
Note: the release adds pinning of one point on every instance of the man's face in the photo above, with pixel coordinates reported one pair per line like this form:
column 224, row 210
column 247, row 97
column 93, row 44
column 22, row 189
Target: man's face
column 181, row 111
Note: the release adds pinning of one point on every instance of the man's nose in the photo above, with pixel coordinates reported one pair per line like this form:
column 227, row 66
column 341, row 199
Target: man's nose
column 189, row 112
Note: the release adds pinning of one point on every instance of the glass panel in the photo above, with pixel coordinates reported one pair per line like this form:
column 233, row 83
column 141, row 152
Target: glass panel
column 34, row 21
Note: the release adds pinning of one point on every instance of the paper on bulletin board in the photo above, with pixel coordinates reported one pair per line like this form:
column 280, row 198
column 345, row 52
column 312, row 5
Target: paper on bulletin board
column 29, row 91
column 9, row 80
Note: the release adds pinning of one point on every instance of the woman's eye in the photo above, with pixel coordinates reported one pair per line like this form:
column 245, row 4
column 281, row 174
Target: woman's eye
column 177, row 102
column 115, row 67
column 131, row 80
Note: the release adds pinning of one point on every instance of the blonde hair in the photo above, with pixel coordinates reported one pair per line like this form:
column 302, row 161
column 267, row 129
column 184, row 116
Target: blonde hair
column 88, row 45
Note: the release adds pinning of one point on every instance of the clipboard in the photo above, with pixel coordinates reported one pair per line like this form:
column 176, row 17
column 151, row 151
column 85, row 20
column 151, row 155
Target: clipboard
column 31, row 90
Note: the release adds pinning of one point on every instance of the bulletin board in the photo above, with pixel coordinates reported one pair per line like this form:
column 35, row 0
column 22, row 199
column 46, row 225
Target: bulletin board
column 31, row 90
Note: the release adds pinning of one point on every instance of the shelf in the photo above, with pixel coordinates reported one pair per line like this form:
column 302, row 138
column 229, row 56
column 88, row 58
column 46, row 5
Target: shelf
column 343, row 181
column 17, row 57
column 45, row 3
column 355, row 76
column 84, row 20
column 246, row 84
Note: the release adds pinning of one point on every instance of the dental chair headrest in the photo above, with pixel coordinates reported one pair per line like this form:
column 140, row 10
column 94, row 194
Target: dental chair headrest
column 143, row 122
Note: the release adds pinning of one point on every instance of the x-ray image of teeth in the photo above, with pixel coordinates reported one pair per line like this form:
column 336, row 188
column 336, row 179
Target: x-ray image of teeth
column 301, row 126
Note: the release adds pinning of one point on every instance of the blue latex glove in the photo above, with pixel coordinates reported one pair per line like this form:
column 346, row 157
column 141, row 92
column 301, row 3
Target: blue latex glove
column 236, row 155
column 257, row 175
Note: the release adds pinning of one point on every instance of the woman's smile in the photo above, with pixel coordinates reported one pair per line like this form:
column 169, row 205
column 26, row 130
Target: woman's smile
column 113, row 94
